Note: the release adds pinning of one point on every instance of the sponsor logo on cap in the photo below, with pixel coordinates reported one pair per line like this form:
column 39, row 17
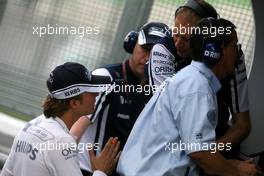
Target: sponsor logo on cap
column 88, row 75
column 50, row 78
column 72, row 92
column 156, row 31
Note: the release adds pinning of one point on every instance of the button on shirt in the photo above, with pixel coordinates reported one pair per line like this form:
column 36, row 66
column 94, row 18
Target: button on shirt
column 179, row 119
column 44, row 147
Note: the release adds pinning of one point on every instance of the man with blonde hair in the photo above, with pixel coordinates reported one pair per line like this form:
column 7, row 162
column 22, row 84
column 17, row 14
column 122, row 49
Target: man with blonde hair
column 45, row 146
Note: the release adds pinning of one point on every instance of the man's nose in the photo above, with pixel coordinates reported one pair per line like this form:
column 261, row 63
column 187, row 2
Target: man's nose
column 145, row 58
column 178, row 42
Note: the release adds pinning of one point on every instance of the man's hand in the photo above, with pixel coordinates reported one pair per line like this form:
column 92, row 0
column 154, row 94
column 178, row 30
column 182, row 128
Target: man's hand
column 223, row 167
column 240, row 129
column 248, row 168
column 108, row 158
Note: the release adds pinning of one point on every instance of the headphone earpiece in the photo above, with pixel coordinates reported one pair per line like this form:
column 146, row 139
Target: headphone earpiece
column 149, row 34
column 212, row 48
column 212, row 51
column 130, row 41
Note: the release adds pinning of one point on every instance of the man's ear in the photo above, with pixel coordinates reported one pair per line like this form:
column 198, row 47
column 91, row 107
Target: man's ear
column 74, row 103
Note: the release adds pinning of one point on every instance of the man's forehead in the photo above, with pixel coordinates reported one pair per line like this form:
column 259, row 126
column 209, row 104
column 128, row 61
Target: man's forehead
column 182, row 29
column 185, row 18
column 182, row 21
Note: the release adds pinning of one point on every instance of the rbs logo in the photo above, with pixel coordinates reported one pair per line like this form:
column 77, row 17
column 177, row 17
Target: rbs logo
column 212, row 54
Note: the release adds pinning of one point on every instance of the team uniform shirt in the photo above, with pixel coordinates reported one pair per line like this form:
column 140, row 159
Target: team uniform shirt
column 44, row 147
column 117, row 112
column 164, row 61
column 232, row 98
column 182, row 111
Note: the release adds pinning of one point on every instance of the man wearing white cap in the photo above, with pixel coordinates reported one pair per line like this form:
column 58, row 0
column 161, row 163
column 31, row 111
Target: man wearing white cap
column 117, row 112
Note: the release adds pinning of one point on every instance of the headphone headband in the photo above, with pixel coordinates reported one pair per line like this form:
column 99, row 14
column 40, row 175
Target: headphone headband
column 206, row 47
column 149, row 34
column 202, row 11
column 212, row 48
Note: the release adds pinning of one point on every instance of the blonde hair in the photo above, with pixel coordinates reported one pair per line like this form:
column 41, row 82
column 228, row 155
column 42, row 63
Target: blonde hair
column 55, row 107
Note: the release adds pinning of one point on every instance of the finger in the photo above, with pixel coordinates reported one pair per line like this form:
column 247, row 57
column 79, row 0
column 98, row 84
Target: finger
column 260, row 173
column 91, row 154
column 116, row 149
column 107, row 146
column 112, row 147
column 115, row 140
column 92, row 158
column 249, row 161
column 117, row 157
column 258, row 168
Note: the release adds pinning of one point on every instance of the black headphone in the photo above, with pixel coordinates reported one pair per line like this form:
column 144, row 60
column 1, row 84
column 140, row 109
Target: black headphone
column 149, row 34
column 212, row 47
column 130, row 41
column 212, row 51
column 202, row 11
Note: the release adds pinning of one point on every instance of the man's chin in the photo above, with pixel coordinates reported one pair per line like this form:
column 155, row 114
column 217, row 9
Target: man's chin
column 140, row 73
column 182, row 55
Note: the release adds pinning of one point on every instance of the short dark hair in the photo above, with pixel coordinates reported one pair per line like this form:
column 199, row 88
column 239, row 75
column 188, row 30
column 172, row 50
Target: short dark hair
column 197, row 39
column 225, row 24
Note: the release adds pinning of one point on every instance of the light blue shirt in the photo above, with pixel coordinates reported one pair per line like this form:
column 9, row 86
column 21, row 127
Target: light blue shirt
column 182, row 112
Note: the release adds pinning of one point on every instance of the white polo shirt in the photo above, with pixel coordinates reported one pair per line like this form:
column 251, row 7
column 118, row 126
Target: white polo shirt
column 44, row 147
column 182, row 112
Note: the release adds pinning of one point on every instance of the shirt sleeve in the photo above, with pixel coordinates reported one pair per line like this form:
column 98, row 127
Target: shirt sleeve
column 7, row 170
column 196, row 120
column 101, row 99
column 160, row 65
column 62, row 159
column 99, row 173
column 239, row 88
column 100, row 105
